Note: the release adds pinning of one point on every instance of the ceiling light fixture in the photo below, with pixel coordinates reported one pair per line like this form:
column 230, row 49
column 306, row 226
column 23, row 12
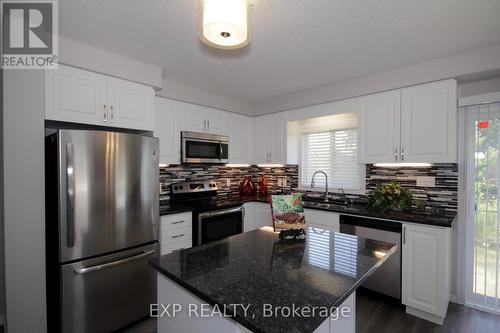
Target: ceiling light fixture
column 403, row 165
column 224, row 23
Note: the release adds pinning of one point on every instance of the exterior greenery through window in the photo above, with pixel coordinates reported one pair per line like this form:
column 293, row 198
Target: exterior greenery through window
column 334, row 152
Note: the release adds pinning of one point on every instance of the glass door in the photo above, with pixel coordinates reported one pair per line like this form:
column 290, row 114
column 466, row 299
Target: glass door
column 483, row 217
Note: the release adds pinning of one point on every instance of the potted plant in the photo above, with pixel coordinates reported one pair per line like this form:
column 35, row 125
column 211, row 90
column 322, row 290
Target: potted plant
column 392, row 196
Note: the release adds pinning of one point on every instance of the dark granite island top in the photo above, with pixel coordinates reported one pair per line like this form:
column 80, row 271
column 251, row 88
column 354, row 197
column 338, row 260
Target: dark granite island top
column 256, row 268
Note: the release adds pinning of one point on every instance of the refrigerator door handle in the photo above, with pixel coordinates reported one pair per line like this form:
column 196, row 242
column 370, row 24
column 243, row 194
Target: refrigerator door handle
column 70, row 195
column 113, row 263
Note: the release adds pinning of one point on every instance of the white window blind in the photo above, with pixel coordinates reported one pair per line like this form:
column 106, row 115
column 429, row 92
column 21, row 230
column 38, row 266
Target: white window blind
column 334, row 152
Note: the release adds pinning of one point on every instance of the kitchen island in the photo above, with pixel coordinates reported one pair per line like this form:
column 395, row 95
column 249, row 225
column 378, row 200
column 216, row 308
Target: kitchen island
column 256, row 282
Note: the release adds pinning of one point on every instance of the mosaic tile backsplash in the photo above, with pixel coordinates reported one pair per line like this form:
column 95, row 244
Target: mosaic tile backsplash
column 443, row 195
column 221, row 174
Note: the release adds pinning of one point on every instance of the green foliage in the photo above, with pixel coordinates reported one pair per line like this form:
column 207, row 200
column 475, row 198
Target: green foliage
column 486, row 182
column 391, row 196
column 287, row 203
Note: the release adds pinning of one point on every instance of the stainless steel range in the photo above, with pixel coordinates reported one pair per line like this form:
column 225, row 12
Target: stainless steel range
column 213, row 219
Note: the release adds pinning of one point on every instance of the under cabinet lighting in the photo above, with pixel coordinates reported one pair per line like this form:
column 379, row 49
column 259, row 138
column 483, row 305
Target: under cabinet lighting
column 236, row 165
column 270, row 165
column 403, row 165
column 163, row 165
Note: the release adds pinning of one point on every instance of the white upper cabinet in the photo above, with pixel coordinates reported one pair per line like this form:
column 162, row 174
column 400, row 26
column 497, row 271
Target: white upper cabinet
column 167, row 130
column 429, row 122
column 198, row 118
column 216, row 122
column 131, row 104
column 270, row 139
column 415, row 124
column 278, row 151
column 172, row 117
column 76, row 96
column 240, row 130
column 379, row 127
column 263, row 128
column 80, row 96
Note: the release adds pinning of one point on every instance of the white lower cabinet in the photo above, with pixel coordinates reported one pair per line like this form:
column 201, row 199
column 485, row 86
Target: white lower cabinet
column 322, row 220
column 426, row 271
column 176, row 232
column 257, row 215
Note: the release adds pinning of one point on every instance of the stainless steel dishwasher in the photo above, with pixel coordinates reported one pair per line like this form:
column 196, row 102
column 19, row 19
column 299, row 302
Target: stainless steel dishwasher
column 387, row 279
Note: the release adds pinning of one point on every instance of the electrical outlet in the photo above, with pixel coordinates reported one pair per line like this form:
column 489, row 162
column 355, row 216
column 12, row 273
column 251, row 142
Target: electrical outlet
column 228, row 182
column 281, row 182
column 426, row 181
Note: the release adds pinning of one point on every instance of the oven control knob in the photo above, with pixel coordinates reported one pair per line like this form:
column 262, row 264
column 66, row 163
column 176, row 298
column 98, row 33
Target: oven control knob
column 176, row 188
column 181, row 187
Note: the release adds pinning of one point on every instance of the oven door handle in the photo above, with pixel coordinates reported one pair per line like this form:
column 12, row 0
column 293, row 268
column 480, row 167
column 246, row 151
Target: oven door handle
column 221, row 212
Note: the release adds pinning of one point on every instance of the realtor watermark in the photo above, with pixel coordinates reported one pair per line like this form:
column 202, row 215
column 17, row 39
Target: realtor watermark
column 29, row 34
column 247, row 310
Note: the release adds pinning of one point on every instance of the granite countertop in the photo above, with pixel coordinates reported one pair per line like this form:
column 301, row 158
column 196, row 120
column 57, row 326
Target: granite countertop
column 433, row 218
column 256, row 268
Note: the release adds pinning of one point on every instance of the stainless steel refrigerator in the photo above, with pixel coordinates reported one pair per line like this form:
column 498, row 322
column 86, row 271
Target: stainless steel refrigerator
column 101, row 229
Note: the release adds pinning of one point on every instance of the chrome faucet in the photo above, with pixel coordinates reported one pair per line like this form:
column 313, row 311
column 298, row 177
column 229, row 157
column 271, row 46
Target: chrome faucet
column 347, row 201
column 326, row 182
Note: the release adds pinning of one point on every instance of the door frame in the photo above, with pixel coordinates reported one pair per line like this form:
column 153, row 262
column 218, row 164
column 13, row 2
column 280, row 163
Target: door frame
column 466, row 210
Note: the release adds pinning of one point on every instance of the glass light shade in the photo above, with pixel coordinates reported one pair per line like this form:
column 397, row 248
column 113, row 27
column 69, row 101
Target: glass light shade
column 224, row 23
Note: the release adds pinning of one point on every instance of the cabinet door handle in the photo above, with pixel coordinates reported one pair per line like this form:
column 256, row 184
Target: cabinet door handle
column 105, row 114
column 177, row 222
column 177, row 236
column 204, row 125
column 396, row 154
column 402, row 154
column 208, row 125
column 112, row 114
column 404, row 235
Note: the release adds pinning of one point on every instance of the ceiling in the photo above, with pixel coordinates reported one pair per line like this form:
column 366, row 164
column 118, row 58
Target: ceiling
column 296, row 44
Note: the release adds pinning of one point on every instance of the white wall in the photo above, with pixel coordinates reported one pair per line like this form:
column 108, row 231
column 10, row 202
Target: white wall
column 24, row 211
column 477, row 61
column 189, row 94
column 88, row 57
column 2, row 260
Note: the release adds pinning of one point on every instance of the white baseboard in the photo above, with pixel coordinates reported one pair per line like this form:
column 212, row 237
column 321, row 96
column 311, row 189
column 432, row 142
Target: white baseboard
column 453, row 298
column 424, row 315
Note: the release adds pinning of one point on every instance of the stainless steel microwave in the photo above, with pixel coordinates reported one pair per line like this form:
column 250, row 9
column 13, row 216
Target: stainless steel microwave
column 204, row 148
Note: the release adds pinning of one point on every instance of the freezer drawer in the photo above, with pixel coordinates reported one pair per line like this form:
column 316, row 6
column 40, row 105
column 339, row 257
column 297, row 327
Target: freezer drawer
column 106, row 293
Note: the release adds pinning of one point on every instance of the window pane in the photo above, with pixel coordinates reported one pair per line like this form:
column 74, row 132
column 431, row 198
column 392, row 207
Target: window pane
column 336, row 154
